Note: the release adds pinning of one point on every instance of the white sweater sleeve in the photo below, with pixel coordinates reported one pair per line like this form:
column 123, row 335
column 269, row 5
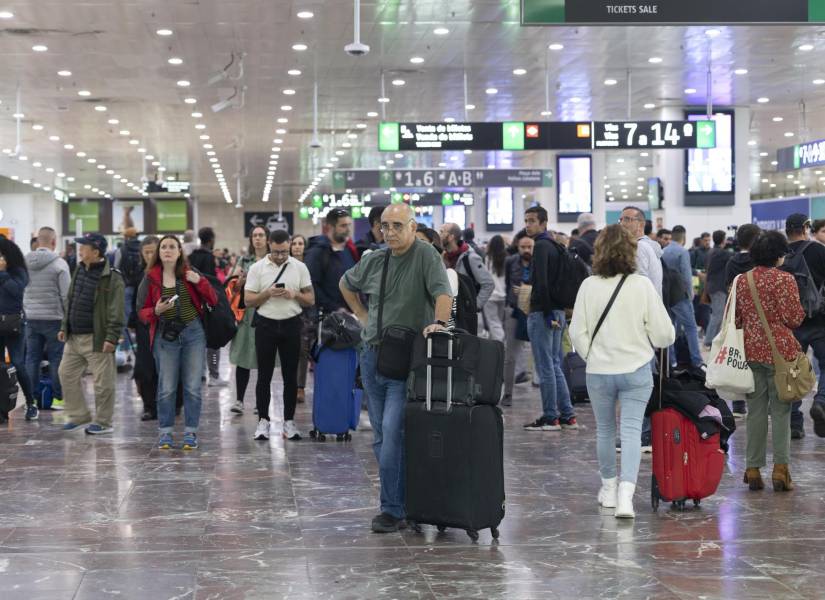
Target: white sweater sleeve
column 659, row 327
column 579, row 330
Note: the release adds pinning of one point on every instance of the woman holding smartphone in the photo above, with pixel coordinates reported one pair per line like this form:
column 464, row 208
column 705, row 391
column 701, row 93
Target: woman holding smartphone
column 173, row 309
column 242, row 348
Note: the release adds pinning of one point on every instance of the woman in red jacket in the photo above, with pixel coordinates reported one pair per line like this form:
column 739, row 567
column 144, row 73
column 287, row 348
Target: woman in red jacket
column 173, row 310
column 779, row 296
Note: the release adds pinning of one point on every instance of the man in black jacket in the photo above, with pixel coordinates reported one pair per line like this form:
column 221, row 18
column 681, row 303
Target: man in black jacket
column 742, row 262
column 328, row 257
column 516, row 273
column 203, row 259
column 715, row 284
column 545, row 324
column 811, row 334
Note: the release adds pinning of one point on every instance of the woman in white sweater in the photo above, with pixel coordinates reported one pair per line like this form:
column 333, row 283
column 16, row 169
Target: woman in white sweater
column 618, row 353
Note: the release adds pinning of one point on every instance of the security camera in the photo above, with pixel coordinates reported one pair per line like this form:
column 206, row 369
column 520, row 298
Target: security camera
column 315, row 143
column 357, row 49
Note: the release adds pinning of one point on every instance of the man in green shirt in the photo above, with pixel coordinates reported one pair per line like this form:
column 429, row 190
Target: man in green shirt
column 417, row 295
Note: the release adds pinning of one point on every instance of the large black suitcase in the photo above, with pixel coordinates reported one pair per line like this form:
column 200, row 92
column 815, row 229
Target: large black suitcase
column 455, row 463
column 575, row 373
column 8, row 389
column 477, row 368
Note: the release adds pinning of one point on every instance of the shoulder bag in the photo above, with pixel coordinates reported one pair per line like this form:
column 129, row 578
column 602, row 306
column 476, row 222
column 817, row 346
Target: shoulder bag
column 794, row 379
column 11, row 324
column 396, row 341
column 728, row 369
column 604, row 313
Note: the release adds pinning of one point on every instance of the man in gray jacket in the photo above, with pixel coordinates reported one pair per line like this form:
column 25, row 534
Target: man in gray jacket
column 460, row 256
column 43, row 302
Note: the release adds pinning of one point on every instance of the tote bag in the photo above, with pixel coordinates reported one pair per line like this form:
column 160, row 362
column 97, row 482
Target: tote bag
column 728, row 368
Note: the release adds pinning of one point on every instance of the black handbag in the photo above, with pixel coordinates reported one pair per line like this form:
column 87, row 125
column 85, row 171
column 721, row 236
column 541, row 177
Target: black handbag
column 10, row 325
column 396, row 345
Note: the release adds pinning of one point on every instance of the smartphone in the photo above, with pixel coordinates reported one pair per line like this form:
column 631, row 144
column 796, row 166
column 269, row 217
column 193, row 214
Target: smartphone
column 280, row 286
column 173, row 298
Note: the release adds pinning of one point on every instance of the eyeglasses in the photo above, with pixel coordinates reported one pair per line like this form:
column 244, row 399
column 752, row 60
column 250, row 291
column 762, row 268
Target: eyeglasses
column 630, row 219
column 280, row 253
column 396, row 226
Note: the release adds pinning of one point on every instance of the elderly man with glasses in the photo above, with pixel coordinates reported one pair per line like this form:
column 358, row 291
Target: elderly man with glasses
column 416, row 295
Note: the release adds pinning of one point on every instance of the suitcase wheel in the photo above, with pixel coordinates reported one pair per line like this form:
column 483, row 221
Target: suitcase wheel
column 473, row 534
column 654, row 493
column 414, row 526
column 339, row 437
column 494, row 532
column 441, row 528
column 679, row 504
column 696, row 503
column 313, row 434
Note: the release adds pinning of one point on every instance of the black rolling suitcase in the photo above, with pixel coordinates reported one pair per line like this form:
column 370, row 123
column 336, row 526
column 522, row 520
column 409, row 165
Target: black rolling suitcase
column 455, row 458
column 575, row 373
column 8, row 390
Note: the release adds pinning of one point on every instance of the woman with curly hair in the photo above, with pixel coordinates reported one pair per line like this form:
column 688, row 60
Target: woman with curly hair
column 625, row 311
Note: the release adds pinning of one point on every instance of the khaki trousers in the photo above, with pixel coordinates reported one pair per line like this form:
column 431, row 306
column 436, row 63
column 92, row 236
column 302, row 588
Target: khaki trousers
column 78, row 355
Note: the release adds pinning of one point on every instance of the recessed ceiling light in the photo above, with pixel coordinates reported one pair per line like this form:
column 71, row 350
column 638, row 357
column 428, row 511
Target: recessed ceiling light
column 200, row 126
column 398, row 82
column 204, row 137
column 763, row 154
column 751, row 142
column 441, row 31
column 183, row 83
column 40, row 48
column 125, row 132
column 469, row 106
column 361, row 125
column 142, row 150
column 789, row 134
column 519, row 71
column 546, row 113
column 84, row 93
column 774, row 163
column 655, row 60
column 763, row 100
column 113, row 121
column 91, row 161
column 644, row 154
column 650, row 106
column 6, row 15
column 289, row 92
column 149, row 157
column 294, row 72
column 18, row 115
column 383, row 100
column 690, row 90
column 283, row 120
column 818, row 81
column 37, row 127
column 777, row 119
column 208, row 146
column 197, row 115
column 610, row 82
column 175, row 61
column 491, row 91
column 280, row 131
column 64, row 73
column 164, row 32
column 806, row 47
column 416, row 60
column 68, row 146
column 190, row 100
column 81, row 154
column 556, row 47
column 741, row 71
column 299, row 47
column 100, row 108
column 372, row 114
column 305, row 14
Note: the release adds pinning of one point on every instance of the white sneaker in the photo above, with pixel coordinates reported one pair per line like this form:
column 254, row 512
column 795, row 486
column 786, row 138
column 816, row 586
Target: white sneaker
column 262, row 432
column 237, row 408
column 624, row 501
column 218, row 382
column 291, row 431
column 607, row 493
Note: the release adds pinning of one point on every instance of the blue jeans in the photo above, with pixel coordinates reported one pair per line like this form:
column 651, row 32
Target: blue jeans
column 684, row 319
column 181, row 359
column 546, row 344
column 631, row 391
column 41, row 339
column 16, row 345
column 717, row 308
column 386, row 400
column 810, row 337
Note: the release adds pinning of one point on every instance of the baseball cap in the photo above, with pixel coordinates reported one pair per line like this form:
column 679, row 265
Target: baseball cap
column 797, row 221
column 95, row 240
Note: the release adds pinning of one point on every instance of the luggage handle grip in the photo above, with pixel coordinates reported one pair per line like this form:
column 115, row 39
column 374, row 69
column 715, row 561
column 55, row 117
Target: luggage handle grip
column 429, row 394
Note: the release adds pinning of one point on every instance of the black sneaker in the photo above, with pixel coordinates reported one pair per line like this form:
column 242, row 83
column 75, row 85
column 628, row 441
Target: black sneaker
column 522, row 377
column 148, row 416
column 818, row 415
column 647, row 443
column 543, row 424
column 507, row 401
column 740, row 409
column 797, row 433
column 386, row 523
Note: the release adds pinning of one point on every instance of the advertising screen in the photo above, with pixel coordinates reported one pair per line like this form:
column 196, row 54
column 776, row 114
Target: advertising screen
column 499, row 209
column 457, row 214
column 709, row 173
column 575, row 189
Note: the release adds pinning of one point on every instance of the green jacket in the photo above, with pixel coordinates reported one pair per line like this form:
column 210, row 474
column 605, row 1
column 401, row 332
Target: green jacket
column 109, row 312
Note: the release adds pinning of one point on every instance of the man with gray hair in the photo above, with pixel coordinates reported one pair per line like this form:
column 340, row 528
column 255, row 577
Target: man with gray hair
column 460, row 256
column 584, row 245
column 189, row 242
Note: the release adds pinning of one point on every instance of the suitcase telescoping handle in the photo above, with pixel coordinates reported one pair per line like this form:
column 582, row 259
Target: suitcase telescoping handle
column 429, row 402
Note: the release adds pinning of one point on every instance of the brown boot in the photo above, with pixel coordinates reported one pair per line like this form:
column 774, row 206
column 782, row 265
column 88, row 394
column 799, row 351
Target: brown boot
column 781, row 479
column 300, row 395
column 754, row 479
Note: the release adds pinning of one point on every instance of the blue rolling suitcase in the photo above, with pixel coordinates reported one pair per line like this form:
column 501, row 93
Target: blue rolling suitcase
column 336, row 407
column 45, row 393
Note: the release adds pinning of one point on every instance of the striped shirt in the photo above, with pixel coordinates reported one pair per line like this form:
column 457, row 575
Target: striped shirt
column 188, row 312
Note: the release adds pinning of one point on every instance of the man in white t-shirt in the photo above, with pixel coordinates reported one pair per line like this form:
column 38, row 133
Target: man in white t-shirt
column 278, row 287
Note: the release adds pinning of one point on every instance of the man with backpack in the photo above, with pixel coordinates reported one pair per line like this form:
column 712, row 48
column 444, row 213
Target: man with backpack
column 459, row 255
column 555, row 276
column 806, row 263
column 127, row 261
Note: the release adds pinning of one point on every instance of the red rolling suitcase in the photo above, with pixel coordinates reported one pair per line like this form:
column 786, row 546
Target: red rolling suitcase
column 685, row 466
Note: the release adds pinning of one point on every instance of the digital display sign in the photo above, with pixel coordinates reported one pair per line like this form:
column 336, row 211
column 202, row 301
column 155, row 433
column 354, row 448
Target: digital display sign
column 710, row 172
column 658, row 12
column 499, row 209
column 456, row 214
column 546, row 135
column 655, row 193
column 653, row 134
column 801, row 156
column 575, row 187
column 440, row 178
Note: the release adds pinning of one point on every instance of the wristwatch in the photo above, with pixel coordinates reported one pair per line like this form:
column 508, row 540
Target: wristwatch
column 437, row 322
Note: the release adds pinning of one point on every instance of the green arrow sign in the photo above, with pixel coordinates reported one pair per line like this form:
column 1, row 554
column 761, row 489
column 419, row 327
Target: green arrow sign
column 512, row 135
column 317, row 201
column 705, row 134
column 388, row 137
column 447, row 199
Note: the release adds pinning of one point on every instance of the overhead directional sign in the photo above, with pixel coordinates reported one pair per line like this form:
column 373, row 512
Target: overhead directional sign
column 429, row 199
column 654, row 134
column 801, row 156
column 546, row 135
column 440, row 178
column 657, row 12
column 270, row 220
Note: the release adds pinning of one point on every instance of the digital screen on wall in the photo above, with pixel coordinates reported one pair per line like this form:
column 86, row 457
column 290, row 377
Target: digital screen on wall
column 172, row 216
column 500, row 209
column 654, row 193
column 457, row 214
column 574, row 186
column 710, row 178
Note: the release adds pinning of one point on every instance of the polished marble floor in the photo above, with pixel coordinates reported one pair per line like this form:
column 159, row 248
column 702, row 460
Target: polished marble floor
column 111, row 517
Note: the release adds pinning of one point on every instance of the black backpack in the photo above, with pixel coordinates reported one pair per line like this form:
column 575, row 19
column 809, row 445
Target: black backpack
column 810, row 296
column 466, row 308
column 571, row 273
column 130, row 263
column 673, row 287
column 219, row 323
